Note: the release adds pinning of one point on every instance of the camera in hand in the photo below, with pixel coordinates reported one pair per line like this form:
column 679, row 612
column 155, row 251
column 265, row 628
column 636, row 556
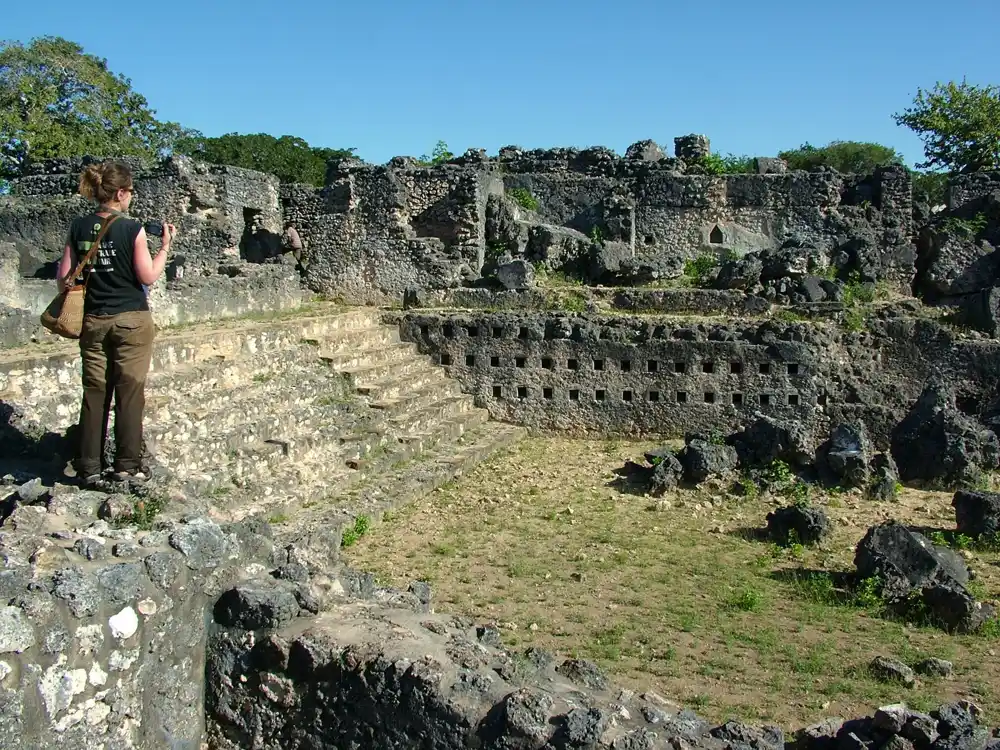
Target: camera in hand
column 153, row 228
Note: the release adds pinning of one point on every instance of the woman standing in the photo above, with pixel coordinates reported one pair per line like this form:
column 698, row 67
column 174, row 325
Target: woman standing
column 116, row 341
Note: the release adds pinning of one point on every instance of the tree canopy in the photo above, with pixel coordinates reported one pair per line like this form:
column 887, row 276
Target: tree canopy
column 58, row 101
column 290, row 158
column 849, row 157
column 959, row 124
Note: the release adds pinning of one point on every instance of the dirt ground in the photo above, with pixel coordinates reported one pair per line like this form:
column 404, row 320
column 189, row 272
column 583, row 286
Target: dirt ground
column 676, row 595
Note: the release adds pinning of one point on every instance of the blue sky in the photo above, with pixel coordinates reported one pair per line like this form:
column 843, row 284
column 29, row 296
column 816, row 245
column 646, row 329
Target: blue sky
column 394, row 76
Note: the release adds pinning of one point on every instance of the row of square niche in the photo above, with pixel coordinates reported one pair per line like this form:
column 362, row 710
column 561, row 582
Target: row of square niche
column 524, row 333
column 628, row 365
column 523, row 392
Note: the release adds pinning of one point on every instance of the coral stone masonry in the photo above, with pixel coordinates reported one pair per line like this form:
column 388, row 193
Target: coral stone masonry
column 798, row 330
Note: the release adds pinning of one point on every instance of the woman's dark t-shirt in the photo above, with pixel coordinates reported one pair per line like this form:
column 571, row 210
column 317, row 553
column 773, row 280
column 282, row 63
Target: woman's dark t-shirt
column 112, row 285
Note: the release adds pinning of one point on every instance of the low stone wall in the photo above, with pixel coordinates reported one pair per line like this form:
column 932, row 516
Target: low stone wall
column 592, row 299
column 636, row 375
column 103, row 629
column 191, row 299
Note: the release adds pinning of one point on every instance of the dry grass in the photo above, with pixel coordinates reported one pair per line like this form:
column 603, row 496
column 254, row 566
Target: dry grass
column 673, row 596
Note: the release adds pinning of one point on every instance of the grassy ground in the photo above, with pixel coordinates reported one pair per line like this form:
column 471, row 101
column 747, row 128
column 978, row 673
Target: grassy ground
column 674, row 595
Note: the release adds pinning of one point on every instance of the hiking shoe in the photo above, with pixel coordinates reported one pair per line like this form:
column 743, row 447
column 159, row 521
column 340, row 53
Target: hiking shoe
column 136, row 476
column 92, row 482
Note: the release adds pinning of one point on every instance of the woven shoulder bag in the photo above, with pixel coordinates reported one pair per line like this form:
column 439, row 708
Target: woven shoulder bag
column 64, row 315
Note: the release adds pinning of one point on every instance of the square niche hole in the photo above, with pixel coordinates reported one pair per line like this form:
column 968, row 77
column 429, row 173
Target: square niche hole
column 522, row 392
column 497, row 332
column 821, row 400
column 793, row 369
column 765, row 368
column 547, row 363
column 765, row 399
column 652, row 365
column 473, row 331
column 425, row 331
column 600, row 395
column 547, row 393
column 736, row 368
column 494, row 361
column 682, row 397
column 445, row 359
column 448, row 331
column 626, row 365
column 653, row 396
column 709, row 397
column 470, row 360
column 793, row 399
column 598, row 364
column 522, row 333
column 708, row 367
column 626, row 396
column 574, row 394
column 520, row 361
column 572, row 364
column 737, row 399
column 497, row 391
column 680, row 367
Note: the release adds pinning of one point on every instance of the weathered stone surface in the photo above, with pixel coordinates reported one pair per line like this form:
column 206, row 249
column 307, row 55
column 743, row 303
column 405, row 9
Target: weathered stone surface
column 646, row 150
column 163, row 568
column 518, row 274
column 892, row 670
column 766, row 440
column 741, row 273
column 256, row 606
column 884, row 484
column 91, row 548
column 798, row 524
column 115, row 508
column 937, row 442
column 16, row 633
column 848, row 455
column 79, row 590
column 584, row 673
column 909, row 565
column 934, row 667
column 702, row 459
column 977, row 514
column 201, row 542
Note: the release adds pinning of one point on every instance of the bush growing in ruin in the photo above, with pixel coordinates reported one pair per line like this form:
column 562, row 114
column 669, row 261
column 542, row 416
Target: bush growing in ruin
column 848, row 157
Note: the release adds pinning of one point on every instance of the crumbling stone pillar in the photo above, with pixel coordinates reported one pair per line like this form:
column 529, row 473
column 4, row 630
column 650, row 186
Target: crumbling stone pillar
column 692, row 147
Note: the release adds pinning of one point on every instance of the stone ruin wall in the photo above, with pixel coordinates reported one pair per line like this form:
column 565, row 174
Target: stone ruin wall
column 640, row 375
column 214, row 271
column 373, row 231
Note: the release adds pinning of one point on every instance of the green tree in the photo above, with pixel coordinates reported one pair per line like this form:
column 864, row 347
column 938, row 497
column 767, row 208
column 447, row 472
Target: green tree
column 848, row 157
column 439, row 155
column 959, row 124
column 290, row 158
column 57, row 101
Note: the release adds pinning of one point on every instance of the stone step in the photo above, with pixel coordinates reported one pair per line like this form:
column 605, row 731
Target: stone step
column 345, row 342
column 48, row 379
column 397, row 383
column 372, row 375
column 286, row 382
column 201, row 442
column 368, row 357
column 419, row 397
column 316, row 531
column 426, row 418
column 324, row 466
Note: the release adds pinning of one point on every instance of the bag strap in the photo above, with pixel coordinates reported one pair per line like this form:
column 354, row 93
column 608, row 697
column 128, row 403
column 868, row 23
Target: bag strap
column 108, row 221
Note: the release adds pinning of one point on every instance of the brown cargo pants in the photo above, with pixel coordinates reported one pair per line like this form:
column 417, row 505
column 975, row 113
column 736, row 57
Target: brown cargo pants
column 116, row 352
